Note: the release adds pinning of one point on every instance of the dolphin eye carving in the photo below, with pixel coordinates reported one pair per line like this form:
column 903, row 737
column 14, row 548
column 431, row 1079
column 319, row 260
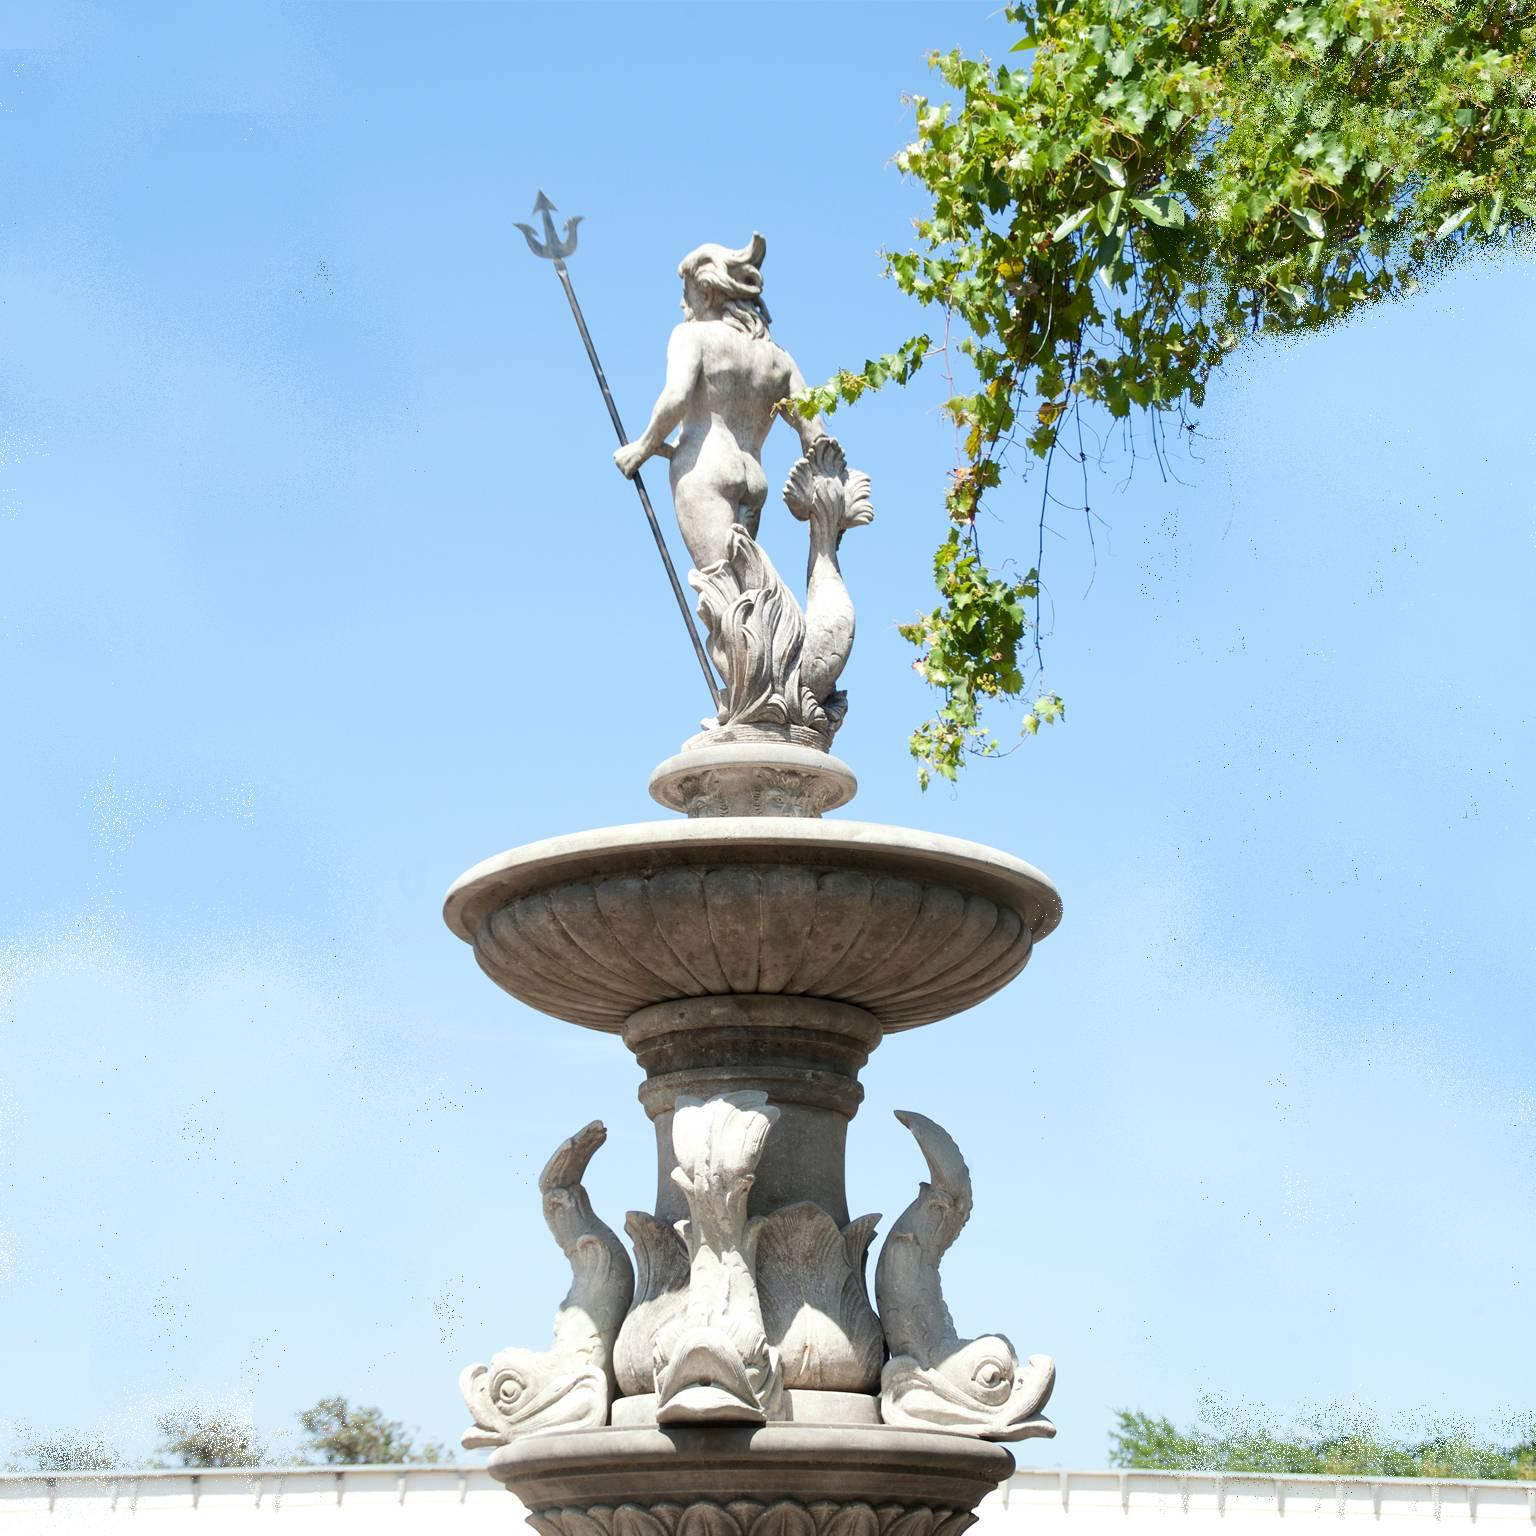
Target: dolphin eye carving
column 989, row 1374
column 507, row 1390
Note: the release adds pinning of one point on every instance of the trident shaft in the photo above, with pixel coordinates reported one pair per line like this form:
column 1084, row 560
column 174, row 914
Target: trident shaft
column 556, row 250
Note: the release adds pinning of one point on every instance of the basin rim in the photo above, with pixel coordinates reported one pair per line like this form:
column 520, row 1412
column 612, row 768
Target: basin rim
column 866, row 846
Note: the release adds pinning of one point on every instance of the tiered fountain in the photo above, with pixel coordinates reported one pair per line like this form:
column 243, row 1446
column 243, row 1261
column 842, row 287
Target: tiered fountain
column 736, row 1380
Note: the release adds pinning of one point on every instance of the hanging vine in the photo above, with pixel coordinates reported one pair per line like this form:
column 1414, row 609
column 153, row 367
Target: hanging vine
column 1159, row 184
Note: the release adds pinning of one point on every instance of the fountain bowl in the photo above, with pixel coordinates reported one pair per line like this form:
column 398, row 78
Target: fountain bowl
column 779, row 1480
column 909, row 926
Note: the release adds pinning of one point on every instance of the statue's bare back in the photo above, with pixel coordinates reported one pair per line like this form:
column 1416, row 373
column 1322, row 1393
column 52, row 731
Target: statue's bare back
column 717, row 471
column 725, row 379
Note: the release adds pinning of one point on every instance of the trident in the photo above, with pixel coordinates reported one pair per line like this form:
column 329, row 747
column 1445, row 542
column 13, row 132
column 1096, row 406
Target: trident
column 556, row 250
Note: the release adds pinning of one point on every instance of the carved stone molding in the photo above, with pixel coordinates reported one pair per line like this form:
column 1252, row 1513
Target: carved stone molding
column 797, row 1478
column 904, row 949
column 912, row 926
column 747, row 1517
column 713, row 778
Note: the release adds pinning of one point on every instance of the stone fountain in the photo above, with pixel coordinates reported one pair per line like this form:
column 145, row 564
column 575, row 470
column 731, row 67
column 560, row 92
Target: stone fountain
column 736, row 1379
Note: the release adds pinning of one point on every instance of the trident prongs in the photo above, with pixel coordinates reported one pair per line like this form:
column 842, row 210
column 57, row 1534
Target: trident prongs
column 552, row 249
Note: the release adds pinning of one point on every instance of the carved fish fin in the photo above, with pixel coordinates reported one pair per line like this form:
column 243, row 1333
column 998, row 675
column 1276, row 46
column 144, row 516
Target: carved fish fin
column 857, row 509
column 857, row 1236
column 946, row 1165
column 568, row 1162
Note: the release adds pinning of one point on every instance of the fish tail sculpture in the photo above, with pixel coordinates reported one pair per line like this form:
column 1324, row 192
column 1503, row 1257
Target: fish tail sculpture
column 935, row 1379
column 823, row 492
column 755, row 631
column 715, row 1364
column 781, row 663
column 661, row 1294
column 570, row 1385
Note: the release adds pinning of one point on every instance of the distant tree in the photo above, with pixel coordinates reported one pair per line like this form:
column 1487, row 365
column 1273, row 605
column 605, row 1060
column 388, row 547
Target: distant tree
column 66, row 1451
column 1335, row 1445
column 194, row 1437
column 1525, row 1459
column 341, row 1435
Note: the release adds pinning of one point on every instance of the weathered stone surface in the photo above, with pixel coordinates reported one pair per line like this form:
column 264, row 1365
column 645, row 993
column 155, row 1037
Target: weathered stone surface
column 725, row 382
column 798, row 1405
column 752, row 957
column 935, row 1378
column 569, row 1385
column 661, row 1294
column 803, row 1053
column 714, row 1364
column 777, row 1480
column 910, row 926
column 816, row 1311
column 757, row 778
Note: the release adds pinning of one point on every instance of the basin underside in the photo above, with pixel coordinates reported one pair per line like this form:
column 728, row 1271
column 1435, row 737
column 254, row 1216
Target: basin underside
column 909, row 926
column 778, row 1480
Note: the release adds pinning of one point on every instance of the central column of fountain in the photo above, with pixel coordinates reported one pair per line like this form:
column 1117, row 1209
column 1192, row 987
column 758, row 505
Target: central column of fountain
column 737, row 1379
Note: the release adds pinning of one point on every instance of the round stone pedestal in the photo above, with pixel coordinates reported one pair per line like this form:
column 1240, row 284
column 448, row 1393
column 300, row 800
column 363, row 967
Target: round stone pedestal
column 777, row 1480
column 752, row 779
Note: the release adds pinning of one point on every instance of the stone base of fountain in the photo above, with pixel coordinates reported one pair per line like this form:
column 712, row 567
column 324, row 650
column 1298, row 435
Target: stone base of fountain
column 776, row 1480
column 801, row 1406
column 718, row 775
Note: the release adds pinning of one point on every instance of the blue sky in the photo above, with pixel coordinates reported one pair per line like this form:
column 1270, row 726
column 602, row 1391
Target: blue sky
column 318, row 586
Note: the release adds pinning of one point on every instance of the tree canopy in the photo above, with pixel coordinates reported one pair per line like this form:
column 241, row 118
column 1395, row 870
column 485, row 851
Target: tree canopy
column 1161, row 183
column 345, row 1436
column 334, row 1434
column 196, row 1437
column 1335, row 1444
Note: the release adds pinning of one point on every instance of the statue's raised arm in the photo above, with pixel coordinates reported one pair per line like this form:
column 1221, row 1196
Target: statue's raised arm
column 726, row 381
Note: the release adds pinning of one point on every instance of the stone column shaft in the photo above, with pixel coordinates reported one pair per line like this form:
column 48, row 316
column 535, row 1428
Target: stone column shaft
column 803, row 1052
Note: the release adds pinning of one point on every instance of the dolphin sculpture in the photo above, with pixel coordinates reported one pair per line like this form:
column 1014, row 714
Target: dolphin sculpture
column 934, row 1378
column 569, row 1385
column 714, row 1364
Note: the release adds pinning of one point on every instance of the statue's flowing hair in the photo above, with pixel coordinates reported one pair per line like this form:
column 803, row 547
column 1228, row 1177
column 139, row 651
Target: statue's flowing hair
column 735, row 280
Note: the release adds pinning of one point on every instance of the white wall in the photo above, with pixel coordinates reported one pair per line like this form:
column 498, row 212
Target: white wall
column 455, row 1501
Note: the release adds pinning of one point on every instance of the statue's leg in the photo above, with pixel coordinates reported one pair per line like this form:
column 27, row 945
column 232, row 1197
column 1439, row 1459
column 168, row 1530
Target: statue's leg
column 705, row 512
column 754, row 493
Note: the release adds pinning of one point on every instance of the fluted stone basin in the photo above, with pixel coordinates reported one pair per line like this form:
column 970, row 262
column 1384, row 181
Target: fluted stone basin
column 782, row 1480
column 909, row 926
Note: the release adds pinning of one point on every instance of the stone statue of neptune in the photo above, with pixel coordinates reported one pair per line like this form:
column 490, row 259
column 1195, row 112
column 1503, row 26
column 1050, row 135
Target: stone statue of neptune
column 726, row 381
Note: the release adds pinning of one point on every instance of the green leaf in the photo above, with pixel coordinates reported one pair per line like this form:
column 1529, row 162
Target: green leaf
column 1307, row 220
column 1073, row 221
column 1455, row 221
column 1206, row 131
column 1110, row 171
column 1165, row 212
column 1108, row 210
